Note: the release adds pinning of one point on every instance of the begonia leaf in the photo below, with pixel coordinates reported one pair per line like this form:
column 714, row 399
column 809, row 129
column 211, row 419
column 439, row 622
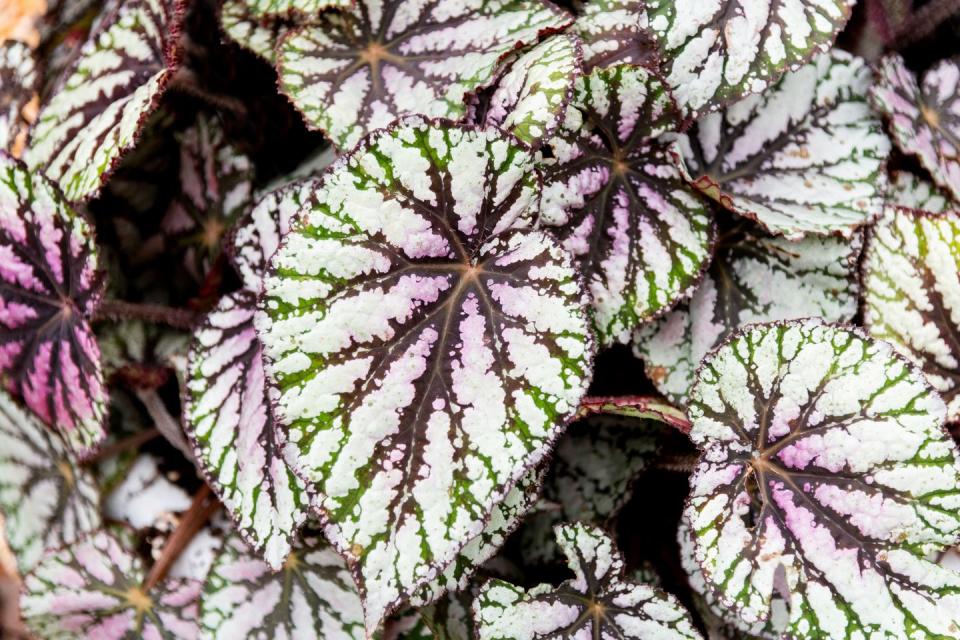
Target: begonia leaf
column 614, row 32
column 241, row 26
column 296, row 9
column 19, row 81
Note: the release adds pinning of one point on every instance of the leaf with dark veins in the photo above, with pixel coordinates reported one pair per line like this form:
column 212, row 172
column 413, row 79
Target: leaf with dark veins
column 427, row 344
column 642, row 234
column 305, row 10
column 49, row 288
column 96, row 112
column 615, row 32
column 239, row 24
column 358, row 70
column 19, row 81
column 825, row 469
column 806, row 156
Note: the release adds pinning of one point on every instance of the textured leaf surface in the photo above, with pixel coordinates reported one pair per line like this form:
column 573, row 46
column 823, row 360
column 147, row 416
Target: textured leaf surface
column 298, row 9
column 807, row 156
column 241, row 26
column 614, row 31
column 911, row 289
column 92, row 590
column 753, row 278
column 598, row 602
column 447, row 619
column 95, row 114
column 49, row 288
column 46, row 499
column 715, row 53
column 826, row 470
column 642, row 234
column 357, row 71
column 427, row 345
column 312, row 597
column 924, row 118
column 19, row 80
column 228, row 418
column 532, row 96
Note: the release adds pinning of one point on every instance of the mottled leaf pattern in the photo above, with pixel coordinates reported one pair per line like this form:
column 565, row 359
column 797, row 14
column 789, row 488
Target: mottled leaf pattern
column 825, row 473
column 298, row 9
column 913, row 192
column 715, row 53
column 427, row 346
column 597, row 603
column 19, row 81
column 924, row 118
column 532, row 96
column 230, row 422
column 49, row 288
column 753, row 278
column 312, row 597
column 450, row 618
column 807, row 156
column 643, row 235
column 91, row 589
column 911, row 286
column 239, row 24
column 94, row 116
column 357, row 71
column 613, row 32
column 46, row 499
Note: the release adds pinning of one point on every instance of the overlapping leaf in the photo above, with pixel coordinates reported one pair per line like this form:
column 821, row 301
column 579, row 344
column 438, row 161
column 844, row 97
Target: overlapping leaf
column 753, row 278
column 532, row 96
column 643, row 235
column 715, row 53
column 241, row 26
column 312, row 597
column 358, row 70
column 447, row 619
column 49, row 288
column 91, row 589
column 95, row 114
column 826, row 472
column 19, row 81
column 46, row 499
column 613, row 32
column 807, row 156
column 229, row 419
column 426, row 343
column 597, row 603
column 924, row 118
column 911, row 290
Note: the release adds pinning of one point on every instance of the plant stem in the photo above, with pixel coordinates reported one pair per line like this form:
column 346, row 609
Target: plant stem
column 130, row 442
column 203, row 506
column 924, row 21
column 636, row 407
column 165, row 423
column 155, row 313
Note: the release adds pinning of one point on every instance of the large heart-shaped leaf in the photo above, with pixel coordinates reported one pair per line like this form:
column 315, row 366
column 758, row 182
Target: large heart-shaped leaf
column 714, row 53
column 643, row 235
column 531, row 98
column 19, row 81
column 597, row 603
column 427, row 345
column 359, row 70
column 806, row 156
column 92, row 589
column 46, row 499
column 49, row 289
column 747, row 282
column 825, row 470
column 911, row 290
column 312, row 597
column 229, row 419
column 95, row 114
column 614, row 32
column 924, row 118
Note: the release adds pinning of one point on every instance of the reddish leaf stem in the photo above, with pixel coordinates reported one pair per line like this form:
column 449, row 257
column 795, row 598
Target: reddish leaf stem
column 155, row 313
column 636, row 407
column 203, row 506
column 130, row 442
column 924, row 21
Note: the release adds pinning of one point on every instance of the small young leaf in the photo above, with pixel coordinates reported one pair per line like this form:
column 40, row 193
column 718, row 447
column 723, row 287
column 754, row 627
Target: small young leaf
column 312, row 597
column 19, row 81
column 229, row 419
column 49, row 288
column 96, row 113
column 924, row 119
column 144, row 496
column 806, row 156
column 643, row 235
column 46, row 499
column 359, row 70
column 825, row 470
column 597, row 603
column 715, row 53
column 911, row 292
column 753, row 278
column 427, row 346
column 92, row 589
column 532, row 96
column 614, row 32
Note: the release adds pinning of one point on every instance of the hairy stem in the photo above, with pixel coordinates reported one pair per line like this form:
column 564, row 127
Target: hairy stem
column 636, row 407
column 203, row 506
column 130, row 442
column 154, row 313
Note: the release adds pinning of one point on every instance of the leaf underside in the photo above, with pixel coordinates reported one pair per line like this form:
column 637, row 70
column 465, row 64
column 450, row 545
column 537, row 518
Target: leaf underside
column 426, row 344
column 826, row 475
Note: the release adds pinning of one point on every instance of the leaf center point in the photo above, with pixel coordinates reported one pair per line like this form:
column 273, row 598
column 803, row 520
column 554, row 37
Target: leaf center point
column 375, row 53
column 930, row 116
column 138, row 600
